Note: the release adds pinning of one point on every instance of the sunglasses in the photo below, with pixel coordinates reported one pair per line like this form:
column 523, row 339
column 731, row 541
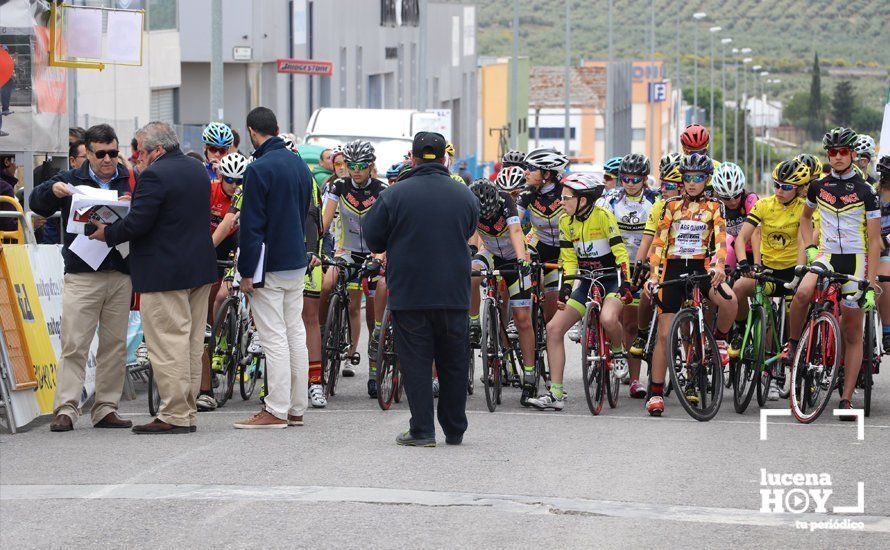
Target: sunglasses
column 631, row 179
column 217, row 150
column 236, row 181
column 532, row 168
column 357, row 165
column 694, row 178
column 697, row 152
column 102, row 154
column 668, row 186
column 567, row 197
column 839, row 151
column 784, row 186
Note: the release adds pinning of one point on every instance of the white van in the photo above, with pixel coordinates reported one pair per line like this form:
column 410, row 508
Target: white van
column 391, row 131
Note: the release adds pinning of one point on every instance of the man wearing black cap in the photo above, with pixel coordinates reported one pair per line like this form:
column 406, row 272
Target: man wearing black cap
column 423, row 223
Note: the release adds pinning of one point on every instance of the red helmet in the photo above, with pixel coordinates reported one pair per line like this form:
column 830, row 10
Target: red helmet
column 695, row 137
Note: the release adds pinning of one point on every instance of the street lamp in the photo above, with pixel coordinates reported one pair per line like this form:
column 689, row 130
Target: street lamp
column 697, row 16
column 712, row 31
column 745, row 61
column 723, row 41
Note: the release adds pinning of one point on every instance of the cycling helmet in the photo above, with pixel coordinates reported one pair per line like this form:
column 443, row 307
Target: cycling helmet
column 612, row 165
column 590, row 186
column 490, row 199
column 813, row 164
column 729, row 180
column 697, row 163
column 695, row 137
column 233, row 165
column 865, row 145
column 792, row 171
column 289, row 141
column 514, row 158
column 359, row 151
column 217, row 134
column 669, row 168
column 883, row 167
column 635, row 164
column 510, row 178
column 449, row 149
column 840, row 137
column 395, row 170
column 547, row 159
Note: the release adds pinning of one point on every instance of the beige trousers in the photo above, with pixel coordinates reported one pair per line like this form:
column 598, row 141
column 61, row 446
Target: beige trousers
column 173, row 323
column 90, row 299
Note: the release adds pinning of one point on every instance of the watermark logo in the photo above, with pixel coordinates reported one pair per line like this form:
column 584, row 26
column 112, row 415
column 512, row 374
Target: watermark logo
column 799, row 493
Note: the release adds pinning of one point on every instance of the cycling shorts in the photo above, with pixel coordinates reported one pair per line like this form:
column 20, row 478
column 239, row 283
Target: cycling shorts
column 312, row 282
column 520, row 295
column 355, row 283
column 672, row 297
column 787, row 275
column 580, row 296
column 846, row 264
column 549, row 255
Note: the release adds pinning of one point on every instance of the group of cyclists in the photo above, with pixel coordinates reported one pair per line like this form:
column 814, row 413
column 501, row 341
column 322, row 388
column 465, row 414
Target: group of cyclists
column 633, row 226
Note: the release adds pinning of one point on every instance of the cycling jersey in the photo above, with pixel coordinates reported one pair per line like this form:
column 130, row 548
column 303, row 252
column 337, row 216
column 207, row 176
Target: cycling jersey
column 495, row 232
column 353, row 204
column 779, row 224
column 543, row 207
column 685, row 232
column 735, row 217
column 220, row 204
column 592, row 243
column 845, row 205
column 654, row 216
column 632, row 214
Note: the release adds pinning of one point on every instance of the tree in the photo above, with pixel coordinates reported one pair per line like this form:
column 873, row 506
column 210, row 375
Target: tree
column 867, row 120
column 815, row 116
column 704, row 102
column 843, row 104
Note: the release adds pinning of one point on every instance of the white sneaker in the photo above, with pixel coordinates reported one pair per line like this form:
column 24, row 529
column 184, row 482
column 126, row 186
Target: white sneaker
column 435, row 388
column 773, row 394
column 142, row 355
column 206, row 403
column 547, row 401
column 255, row 347
column 574, row 333
column 619, row 365
column 316, row 396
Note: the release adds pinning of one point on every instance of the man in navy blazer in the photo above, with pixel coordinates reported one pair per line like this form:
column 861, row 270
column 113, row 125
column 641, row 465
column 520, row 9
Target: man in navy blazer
column 172, row 263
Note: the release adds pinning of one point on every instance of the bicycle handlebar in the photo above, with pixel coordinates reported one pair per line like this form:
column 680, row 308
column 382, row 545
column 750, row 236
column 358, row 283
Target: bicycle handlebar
column 824, row 273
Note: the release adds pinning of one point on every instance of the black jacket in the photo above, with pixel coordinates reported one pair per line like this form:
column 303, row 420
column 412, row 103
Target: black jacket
column 423, row 223
column 45, row 203
column 168, row 227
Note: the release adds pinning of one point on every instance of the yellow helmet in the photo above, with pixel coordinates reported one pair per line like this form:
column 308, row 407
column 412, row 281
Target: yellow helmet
column 813, row 163
column 449, row 150
column 669, row 168
column 792, row 171
column 859, row 171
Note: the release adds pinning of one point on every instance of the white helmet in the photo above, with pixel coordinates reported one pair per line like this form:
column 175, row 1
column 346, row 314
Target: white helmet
column 865, row 145
column 547, row 159
column 510, row 178
column 729, row 180
column 233, row 165
column 289, row 141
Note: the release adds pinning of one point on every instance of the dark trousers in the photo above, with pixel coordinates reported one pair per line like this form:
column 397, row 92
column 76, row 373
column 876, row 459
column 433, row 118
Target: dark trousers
column 6, row 94
column 422, row 337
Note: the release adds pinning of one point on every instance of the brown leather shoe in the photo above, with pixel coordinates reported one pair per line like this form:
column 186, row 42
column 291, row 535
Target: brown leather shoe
column 157, row 426
column 262, row 420
column 112, row 420
column 61, row 423
column 294, row 420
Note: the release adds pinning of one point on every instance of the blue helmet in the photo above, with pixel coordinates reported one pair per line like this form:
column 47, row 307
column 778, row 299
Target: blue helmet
column 217, row 134
column 612, row 166
column 395, row 170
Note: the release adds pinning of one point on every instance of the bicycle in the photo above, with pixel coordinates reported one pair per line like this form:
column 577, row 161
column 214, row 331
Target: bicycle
column 816, row 367
column 759, row 360
column 336, row 336
column 389, row 377
column 539, row 326
column 871, row 362
column 693, row 357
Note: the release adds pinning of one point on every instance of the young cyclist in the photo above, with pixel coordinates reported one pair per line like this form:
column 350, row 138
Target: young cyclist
column 503, row 247
column 849, row 243
column 218, row 140
column 610, row 175
column 865, row 152
column 631, row 207
column 682, row 245
column 513, row 158
column 728, row 185
column 588, row 239
column 778, row 217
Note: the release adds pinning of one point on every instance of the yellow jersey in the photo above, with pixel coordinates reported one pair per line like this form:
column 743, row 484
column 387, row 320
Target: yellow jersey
column 654, row 216
column 592, row 243
column 779, row 224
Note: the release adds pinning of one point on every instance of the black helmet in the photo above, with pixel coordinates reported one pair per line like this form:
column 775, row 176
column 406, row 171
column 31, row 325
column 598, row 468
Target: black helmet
column 669, row 168
column 359, row 151
column 884, row 167
column 513, row 158
column 697, row 163
column 634, row 164
column 490, row 199
column 840, row 137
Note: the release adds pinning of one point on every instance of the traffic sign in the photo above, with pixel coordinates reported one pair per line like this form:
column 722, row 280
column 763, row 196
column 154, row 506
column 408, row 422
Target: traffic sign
column 305, row 66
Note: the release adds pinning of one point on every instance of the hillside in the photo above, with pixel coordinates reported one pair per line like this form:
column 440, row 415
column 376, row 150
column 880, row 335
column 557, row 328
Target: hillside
column 783, row 35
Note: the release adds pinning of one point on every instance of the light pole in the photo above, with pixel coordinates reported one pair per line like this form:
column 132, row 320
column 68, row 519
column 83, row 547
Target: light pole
column 723, row 41
column 679, row 88
column 711, row 32
column 755, row 68
column 514, row 82
column 763, row 144
column 610, row 97
column 568, row 77
column 769, row 152
column 697, row 16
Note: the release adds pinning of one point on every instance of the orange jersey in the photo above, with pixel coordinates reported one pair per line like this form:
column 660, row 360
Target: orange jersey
column 685, row 232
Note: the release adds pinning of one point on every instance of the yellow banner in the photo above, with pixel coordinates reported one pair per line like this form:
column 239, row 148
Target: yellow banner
column 33, row 324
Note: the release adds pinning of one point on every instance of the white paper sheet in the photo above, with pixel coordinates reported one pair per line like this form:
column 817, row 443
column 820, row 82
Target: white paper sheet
column 107, row 194
column 124, row 39
column 91, row 252
column 83, row 34
column 80, row 201
column 258, row 273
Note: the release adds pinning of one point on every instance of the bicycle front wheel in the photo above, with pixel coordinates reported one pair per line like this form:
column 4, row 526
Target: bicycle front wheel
column 224, row 351
column 696, row 369
column 491, row 354
column 387, row 367
column 745, row 372
column 871, row 357
column 154, row 397
column 331, row 356
column 247, row 377
column 814, row 372
column 592, row 364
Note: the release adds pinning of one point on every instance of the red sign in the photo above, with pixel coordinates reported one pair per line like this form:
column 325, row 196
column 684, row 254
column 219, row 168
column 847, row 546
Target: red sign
column 305, row 66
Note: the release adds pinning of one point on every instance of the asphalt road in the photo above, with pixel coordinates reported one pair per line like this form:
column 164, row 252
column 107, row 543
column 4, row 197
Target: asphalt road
column 522, row 477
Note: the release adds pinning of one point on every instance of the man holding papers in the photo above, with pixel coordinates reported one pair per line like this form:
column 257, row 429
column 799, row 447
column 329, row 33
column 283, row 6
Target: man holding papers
column 173, row 264
column 97, row 294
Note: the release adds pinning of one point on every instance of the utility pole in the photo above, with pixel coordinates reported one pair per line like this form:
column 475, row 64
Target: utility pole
column 421, row 56
column 514, row 82
column 652, row 134
column 216, row 61
column 609, row 119
column 679, row 88
column 723, row 41
column 711, row 32
column 568, row 77
column 697, row 16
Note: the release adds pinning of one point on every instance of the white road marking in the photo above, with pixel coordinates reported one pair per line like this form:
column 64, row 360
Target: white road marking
column 520, row 504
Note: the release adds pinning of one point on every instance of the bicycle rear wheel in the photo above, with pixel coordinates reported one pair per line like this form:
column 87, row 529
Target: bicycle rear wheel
column 331, row 356
column 745, row 372
column 816, row 366
column 154, row 397
column 699, row 383
column 387, row 367
column 764, row 373
column 224, row 338
column 247, row 377
column 491, row 354
column 871, row 356
column 593, row 367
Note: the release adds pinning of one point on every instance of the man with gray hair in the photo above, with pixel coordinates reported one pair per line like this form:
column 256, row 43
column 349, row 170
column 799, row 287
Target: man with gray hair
column 172, row 264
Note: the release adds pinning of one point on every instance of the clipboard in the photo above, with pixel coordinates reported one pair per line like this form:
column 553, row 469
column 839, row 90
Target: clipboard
column 258, row 274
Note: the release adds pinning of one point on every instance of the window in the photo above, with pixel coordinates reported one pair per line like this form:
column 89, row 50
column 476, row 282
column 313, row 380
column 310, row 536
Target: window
column 550, row 133
column 164, row 105
column 639, row 134
column 161, row 15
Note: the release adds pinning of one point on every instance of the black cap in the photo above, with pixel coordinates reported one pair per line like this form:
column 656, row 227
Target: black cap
column 428, row 146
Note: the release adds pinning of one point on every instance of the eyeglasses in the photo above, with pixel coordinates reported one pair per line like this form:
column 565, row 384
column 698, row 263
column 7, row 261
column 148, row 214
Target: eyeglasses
column 102, row 154
column 236, row 181
column 217, row 150
column 839, row 151
column 784, row 186
column 694, row 178
column 632, row 179
column 531, row 168
column 357, row 165
column 567, row 197
column 669, row 186
column 697, row 152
